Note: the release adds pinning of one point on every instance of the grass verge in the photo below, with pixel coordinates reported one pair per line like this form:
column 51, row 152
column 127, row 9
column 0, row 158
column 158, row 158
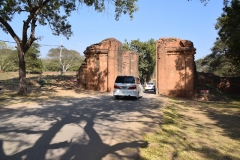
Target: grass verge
column 196, row 130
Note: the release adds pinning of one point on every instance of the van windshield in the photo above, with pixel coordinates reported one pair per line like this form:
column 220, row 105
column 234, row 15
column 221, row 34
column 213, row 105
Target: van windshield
column 125, row 79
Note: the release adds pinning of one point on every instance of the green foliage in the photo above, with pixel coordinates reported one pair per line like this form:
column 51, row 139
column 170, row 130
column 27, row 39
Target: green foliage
column 199, row 66
column 146, row 51
column 229, row 31
column 48, row 12
column 50, row 65
column 217, row 62
column 8, row 58
column 224, row 58
column 13, row 58
column 33, row 62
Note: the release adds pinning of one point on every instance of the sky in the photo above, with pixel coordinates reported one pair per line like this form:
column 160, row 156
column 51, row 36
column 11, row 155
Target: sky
column 187, row 20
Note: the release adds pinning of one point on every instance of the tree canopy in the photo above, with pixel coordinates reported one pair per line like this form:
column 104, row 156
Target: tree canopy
column 7, row 58
column 146, row 51
column 54, row 13
column 217, row 62
column 224, row 58
column 33, row 61
column 49, row 12
column 206, row 1
column 228, row 26
column 9, row 61
column 62, row 59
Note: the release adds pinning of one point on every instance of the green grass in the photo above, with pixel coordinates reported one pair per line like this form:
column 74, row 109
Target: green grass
column 193, row 130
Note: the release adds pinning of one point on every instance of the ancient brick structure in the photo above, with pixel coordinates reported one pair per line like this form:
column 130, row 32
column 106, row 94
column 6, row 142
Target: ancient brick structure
column 130, row 62
column 103, row 62
column 175, row 67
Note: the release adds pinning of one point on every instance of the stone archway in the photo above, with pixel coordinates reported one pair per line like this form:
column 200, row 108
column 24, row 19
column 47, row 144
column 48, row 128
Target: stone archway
column 175, row 67
column 103, row 63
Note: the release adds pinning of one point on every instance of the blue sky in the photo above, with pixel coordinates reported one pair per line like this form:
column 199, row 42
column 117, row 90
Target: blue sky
column 188, row 20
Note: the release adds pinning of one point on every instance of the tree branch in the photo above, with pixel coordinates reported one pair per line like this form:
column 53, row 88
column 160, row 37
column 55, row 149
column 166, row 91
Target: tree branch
column 10, row 30
column 32, row 18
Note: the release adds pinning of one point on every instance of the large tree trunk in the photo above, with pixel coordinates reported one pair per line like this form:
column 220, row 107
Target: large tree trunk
column 22, row 73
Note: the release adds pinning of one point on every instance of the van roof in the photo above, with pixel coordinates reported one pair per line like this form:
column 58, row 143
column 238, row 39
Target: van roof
column 127, row 76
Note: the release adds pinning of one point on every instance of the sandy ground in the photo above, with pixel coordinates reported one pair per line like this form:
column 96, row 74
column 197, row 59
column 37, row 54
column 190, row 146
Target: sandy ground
column 79, row 125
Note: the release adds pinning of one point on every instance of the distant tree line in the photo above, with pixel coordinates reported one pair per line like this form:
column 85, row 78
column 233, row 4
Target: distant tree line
column 62, row 59
column 224, row 59
column 52, row 13
column 70, row 60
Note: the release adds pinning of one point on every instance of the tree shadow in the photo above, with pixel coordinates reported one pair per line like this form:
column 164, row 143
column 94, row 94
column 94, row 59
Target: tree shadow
column 186, row 142
column 184, row 75
column 228, row 122
column 42, row 126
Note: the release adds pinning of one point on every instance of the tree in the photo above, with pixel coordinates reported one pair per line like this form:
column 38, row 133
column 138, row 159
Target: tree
column 49, row 65
column 33, row 62
column 217, row 62
column 7, row 58
column 199, row 66
column 206, row 1
column 225, row 57
column 48, row 12
column 146, row 51
column 228, row 26
column 13, row 57
column 69, row 60
column 3, row 56
column 76, row 63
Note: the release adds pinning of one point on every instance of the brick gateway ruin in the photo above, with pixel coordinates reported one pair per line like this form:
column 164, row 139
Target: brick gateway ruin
column 174, row 66
column 103, row 62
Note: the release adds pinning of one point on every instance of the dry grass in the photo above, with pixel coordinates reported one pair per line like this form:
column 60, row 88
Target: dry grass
column 38, row 85
column 189, row 129
column 196, row 130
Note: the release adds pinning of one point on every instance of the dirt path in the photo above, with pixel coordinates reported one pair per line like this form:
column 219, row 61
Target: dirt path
column 71, row 125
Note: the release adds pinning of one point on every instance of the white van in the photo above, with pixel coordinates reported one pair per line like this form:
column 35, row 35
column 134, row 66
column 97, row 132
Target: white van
column 127, row 86
column 150, row 86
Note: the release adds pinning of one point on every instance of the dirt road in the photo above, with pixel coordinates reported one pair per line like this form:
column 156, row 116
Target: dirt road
column 77, row 127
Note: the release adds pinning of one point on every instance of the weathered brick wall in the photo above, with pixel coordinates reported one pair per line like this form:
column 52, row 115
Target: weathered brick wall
column 104, row 62
column 101, row 66
column 114, row 62
column 230, row 85
column 227, row 84
column 130, row 63
column 175, row 67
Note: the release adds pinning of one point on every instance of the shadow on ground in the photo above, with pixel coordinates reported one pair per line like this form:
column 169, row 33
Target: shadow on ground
column 227, row 120
column 29, row 132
